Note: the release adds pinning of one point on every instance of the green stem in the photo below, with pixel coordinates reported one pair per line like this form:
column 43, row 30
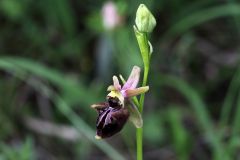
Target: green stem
column 139, row 132
column 139, row 137
column 145, row 53
column 142, row 97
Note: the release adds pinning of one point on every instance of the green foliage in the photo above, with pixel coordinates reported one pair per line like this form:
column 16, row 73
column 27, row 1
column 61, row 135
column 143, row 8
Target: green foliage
column 20, row 151
column 12, row 8
column 19, row 66
column 50, row 69
column 154, row 135
column 202, row 16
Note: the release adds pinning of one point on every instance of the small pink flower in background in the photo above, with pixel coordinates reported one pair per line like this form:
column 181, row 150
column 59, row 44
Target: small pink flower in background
column 111, row 18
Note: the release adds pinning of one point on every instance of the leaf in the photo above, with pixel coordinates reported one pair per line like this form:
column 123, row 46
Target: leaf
column 73, row 91
column 200, row 17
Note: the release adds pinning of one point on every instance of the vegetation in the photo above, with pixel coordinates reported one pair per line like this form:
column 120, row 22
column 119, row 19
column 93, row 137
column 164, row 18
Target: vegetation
column 57, row 58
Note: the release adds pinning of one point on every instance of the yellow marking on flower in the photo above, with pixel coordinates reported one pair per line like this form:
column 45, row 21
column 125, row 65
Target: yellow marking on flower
column 111, row 88
column 118, row 95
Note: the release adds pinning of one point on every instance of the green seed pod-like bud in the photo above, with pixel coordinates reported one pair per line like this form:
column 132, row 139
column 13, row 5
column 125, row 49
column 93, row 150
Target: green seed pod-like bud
column 145, row 21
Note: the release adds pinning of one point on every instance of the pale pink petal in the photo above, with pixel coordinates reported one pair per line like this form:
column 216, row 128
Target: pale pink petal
column 116, row 83
column 135, row 92
column 132, row 79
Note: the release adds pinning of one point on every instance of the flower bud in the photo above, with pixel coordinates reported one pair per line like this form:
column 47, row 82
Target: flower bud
column 145, row 21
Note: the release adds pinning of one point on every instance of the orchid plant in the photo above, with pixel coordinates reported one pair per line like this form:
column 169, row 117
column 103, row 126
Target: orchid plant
column 121, row 102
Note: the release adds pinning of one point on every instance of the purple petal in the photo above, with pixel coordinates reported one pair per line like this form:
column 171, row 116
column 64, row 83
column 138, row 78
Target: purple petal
column 132, row 79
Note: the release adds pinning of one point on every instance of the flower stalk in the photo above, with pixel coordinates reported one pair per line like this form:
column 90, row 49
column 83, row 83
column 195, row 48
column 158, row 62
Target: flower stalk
column 145, row 23
column 121, row 102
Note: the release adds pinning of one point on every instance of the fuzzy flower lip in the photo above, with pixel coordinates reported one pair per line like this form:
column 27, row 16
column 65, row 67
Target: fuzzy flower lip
column 129, row 88
column 110, row 120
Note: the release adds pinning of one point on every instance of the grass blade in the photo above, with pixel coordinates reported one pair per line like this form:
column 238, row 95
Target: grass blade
column 200, row 110
column 200, row 17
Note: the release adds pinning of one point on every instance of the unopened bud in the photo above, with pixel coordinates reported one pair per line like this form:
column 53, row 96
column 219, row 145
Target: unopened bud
column 145, row 21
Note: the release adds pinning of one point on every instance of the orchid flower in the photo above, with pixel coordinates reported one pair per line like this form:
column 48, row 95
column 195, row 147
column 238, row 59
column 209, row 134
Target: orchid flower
column 114, row 113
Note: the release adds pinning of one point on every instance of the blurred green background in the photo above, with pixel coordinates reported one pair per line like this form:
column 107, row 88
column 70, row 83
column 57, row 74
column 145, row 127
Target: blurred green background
column 57, row 57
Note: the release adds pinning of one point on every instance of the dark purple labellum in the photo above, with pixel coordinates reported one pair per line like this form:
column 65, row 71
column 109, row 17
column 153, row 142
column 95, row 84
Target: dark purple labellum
column 111, row 120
